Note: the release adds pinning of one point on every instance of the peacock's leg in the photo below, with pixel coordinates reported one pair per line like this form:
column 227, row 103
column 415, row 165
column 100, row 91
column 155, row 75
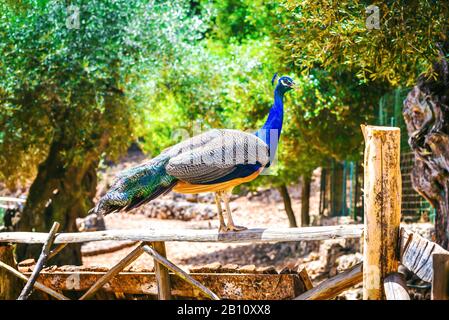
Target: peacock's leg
column 222, row 227
column 231, row 226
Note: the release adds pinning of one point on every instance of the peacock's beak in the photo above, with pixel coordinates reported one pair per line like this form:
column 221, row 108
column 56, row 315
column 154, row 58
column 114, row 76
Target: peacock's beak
column 293, row 85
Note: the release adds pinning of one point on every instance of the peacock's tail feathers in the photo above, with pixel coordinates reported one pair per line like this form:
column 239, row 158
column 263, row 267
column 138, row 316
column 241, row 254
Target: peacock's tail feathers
column 137, row 186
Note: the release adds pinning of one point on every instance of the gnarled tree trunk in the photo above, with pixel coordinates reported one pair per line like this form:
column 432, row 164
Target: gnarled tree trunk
column 59, row 193
column 426, row 113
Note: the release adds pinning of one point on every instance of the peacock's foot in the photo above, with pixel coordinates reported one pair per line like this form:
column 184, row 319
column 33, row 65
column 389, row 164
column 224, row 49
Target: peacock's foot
column 222, row 228
column 235, row 228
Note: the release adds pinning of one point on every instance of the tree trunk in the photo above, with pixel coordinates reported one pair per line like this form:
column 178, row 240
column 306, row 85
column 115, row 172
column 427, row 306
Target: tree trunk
column 323, row 191
column 305, row 199
column 288, row 206
column 426, row 113
column 356, row 192
column 59, row 193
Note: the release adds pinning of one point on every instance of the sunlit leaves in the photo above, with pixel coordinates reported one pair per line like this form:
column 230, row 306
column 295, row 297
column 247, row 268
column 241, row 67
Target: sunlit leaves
column 334, row 35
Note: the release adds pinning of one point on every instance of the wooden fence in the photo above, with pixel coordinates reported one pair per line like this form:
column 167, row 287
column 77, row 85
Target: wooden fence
column 386, row 243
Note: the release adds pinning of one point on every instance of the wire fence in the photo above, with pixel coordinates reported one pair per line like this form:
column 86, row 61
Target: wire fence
column 341, row 191
column 389, row 112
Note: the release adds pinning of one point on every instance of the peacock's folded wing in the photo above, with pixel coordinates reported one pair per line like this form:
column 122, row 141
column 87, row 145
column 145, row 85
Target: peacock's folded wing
column 220, row 153
column 188, row 144
column 192, row 143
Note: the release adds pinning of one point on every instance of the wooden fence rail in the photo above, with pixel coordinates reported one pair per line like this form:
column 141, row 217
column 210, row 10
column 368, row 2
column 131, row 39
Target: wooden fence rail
column 156, row 235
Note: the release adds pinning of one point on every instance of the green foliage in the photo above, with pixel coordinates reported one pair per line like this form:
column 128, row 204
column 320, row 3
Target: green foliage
column 216, row 86
column 225, row 83
column 333, row 35
column 240, row 20
column 79, row 86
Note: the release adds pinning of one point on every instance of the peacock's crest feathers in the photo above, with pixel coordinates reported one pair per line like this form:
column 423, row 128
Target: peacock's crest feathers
column 275, row 76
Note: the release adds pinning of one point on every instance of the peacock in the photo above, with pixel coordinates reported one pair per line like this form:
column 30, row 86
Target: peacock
column 215, row 161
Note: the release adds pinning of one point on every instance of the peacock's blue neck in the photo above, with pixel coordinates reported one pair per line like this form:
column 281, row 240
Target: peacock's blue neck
column 276, row 115
column 271, row 130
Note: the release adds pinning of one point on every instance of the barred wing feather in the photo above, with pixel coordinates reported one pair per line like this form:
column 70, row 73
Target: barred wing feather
column 221, row 152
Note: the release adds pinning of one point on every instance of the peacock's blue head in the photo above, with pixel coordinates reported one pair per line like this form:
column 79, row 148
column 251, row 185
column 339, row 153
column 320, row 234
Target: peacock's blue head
column 285, row 83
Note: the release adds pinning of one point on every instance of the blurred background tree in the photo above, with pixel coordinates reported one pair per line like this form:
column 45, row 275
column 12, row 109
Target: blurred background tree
column 69, row 90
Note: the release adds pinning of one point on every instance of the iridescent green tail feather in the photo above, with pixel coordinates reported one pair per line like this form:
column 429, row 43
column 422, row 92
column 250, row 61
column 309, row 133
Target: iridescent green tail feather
column 137, row 186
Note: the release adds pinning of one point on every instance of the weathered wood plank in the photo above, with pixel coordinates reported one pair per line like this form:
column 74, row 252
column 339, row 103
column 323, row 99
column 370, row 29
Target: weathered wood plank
column 12, row 199
column 227, row 286
column 382, row 195
column 440, row 279
column 154, row 235
column 395, row 287
column 416, row 254
column 332, row 287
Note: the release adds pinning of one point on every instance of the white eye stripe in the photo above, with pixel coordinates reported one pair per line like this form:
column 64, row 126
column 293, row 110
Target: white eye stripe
column 283, row 83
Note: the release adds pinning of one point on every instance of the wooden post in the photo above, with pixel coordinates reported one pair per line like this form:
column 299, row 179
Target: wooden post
column 37, row 285
column 179, row 272
column 10, row 285
column 440, row 278
column 382, row 194
column 162, row 276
